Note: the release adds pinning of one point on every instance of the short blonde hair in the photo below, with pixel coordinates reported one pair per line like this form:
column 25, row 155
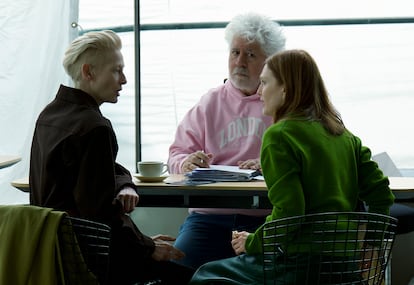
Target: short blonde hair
column 89, row 48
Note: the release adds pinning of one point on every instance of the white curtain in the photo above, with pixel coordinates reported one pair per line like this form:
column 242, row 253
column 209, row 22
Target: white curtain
column 33, row 37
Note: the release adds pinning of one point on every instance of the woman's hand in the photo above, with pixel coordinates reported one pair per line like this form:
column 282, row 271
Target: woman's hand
column 128, row 198
column 164, row 250
column 249, row 164
column 238, row 241
column 196, row 159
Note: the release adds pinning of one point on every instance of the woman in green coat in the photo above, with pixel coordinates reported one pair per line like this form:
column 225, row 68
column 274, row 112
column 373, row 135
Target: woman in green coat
column 311, row 163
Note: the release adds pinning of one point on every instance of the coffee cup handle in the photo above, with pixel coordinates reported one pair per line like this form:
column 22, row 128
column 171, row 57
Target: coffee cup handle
column 164, row 168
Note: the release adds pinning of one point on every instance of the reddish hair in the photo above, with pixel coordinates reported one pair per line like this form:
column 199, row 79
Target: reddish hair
column 306, row 94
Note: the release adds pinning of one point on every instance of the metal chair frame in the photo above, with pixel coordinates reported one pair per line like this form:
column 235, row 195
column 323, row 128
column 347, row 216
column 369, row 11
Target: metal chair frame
column 84, row 250
column 328, row 248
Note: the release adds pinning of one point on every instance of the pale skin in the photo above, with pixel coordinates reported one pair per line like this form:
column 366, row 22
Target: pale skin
column 104, row 82
column 164, row 250
column 245, row 62
column 238, row 241
column 272, row 93
column 202, row 159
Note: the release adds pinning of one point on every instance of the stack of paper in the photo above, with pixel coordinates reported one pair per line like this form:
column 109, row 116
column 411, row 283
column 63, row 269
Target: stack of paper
column 222, row 173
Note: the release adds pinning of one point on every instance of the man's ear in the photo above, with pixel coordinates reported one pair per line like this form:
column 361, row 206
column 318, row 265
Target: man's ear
column 86, row 70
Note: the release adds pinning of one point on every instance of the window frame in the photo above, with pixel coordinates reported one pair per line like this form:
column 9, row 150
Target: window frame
column 138, row 27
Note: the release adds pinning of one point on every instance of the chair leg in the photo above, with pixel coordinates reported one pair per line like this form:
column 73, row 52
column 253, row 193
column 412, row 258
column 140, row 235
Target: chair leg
column 387, row 277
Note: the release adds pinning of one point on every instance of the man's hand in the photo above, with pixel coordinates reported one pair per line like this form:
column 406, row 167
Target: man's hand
column 196, row 159
column 164, row 250
column 128, row 198
column 249, row 164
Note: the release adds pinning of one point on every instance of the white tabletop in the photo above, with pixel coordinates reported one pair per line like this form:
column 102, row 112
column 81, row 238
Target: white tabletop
column 403, row 187
column 8, row 160
column 21, row 184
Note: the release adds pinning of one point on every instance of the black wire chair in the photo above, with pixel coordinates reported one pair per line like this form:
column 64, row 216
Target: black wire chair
column 84, row 250
column 328, row 248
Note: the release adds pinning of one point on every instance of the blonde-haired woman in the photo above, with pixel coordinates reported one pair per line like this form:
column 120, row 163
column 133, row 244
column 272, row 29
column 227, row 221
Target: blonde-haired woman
column 73, row 164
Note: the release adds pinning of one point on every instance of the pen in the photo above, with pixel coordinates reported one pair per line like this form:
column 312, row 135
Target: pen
column 202, row 160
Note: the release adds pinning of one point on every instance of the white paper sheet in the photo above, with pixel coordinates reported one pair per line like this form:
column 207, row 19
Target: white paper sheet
column 232, row 168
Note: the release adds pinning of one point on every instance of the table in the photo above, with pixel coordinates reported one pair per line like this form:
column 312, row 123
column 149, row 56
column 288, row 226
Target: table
column 8, row 160
column 21, row 184
column 402, row 187
column 246, row 195
column 250, row 195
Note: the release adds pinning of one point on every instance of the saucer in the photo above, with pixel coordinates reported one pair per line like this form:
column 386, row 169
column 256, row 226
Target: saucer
column 150, row 179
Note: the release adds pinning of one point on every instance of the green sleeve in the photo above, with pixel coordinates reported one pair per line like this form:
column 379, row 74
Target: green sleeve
column 373, row 185
column 281, row 171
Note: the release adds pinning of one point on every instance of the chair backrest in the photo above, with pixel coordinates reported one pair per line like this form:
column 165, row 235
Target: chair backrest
column 84, row 248
column 386, row 164
column 328, row 248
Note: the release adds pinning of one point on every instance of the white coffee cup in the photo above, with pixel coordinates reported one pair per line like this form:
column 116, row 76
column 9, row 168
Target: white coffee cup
column 152, row 168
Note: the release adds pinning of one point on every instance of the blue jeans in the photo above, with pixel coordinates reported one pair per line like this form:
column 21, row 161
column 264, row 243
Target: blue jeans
column 205, row 238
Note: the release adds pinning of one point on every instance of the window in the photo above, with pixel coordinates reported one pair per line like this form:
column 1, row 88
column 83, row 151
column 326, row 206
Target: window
column 366, row 67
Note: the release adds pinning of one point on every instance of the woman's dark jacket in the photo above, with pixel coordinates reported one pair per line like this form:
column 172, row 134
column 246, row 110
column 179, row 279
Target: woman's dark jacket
column 73, row 168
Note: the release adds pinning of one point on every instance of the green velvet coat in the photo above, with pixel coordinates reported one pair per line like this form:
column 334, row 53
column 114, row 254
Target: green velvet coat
column 308, row 170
